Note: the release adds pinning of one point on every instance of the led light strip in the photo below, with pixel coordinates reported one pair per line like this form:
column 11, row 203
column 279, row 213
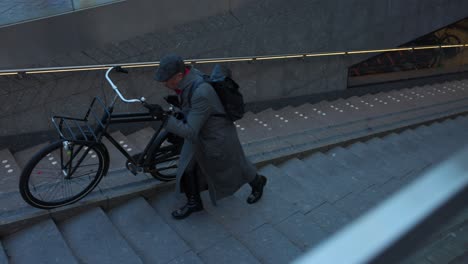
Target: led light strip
column 220, row 60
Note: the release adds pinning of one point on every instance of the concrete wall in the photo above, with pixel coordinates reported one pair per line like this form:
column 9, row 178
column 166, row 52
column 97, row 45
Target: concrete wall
column 206, row 29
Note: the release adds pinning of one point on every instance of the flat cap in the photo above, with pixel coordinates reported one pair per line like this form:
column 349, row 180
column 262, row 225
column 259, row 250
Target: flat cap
column 169, row 66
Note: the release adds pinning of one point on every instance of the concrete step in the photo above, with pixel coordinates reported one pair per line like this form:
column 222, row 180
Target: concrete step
column 200, row 231
column 141, row 138
column 350, row 181
column 314, row 112
column 372, row 169
column 94, row 239
column 9, row 172
column 152, row 239
column 302, row 230
column 290, row 190
column 117, row 159
column 272, row 207
column 122, row 178
column 260, row 127
column 229, row 250
column 270, row 246
column 22, row 157
column 407, row 143
column 313, row 180
column 247, row 128
column 329, row 116
column 234, row 215
column 40, row 243
column 374, row 152
column 436, row 145
column 293, row 120
column 396, row 155
column 420, row 114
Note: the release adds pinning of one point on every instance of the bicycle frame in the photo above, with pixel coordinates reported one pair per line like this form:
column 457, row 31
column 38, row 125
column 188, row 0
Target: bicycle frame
column 132, row 118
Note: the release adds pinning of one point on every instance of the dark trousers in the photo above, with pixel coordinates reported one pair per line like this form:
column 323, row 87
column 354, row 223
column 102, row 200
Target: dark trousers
column 189, row 181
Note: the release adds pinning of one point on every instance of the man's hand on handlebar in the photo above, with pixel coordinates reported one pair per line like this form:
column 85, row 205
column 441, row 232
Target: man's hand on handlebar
column 156, row 111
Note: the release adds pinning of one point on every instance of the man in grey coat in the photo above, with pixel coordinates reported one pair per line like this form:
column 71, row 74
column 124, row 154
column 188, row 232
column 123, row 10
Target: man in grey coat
column 212, row 157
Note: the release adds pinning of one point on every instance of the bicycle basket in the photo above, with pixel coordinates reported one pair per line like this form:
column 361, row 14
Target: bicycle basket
column 89, row 128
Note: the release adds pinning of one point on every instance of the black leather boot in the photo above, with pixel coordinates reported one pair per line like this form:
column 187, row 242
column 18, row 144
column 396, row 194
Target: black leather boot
column 194, row 204
column 257, row 189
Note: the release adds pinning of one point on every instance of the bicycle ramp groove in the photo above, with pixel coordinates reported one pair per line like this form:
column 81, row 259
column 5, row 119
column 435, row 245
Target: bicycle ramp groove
column 309, row 194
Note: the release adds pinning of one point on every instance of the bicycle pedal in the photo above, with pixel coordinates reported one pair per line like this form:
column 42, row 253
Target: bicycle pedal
column 132, row 168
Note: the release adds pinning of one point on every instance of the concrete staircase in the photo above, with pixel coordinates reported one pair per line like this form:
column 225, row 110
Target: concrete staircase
column 306, row 200
column 309, row 195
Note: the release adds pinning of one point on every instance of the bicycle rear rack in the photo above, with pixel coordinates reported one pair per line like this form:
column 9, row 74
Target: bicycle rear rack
column 89, row 128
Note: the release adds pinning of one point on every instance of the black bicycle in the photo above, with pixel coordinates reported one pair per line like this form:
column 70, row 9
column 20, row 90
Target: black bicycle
column 68, row 169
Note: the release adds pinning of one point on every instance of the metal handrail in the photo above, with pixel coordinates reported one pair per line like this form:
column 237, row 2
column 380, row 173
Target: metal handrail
column 377, row 231
column 217, row 60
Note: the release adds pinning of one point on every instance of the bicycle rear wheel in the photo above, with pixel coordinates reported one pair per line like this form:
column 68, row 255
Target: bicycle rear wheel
column 59, row 175
column 165, row 158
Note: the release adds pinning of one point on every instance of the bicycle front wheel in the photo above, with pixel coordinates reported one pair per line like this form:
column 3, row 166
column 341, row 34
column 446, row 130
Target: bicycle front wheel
column 61, row 174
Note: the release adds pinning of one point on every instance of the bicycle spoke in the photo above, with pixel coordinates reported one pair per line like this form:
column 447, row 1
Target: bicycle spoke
column 53, row 189
column 86, row 174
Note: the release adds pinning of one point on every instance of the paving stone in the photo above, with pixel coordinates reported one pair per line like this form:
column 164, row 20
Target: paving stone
column 235, row 215
column 227, row 251
column 328, row 217
column 270, row 246
column 40, row 243
column 302, row 231
column 395, row 144
column 147, row 232
column 390, row 154
column 355, row 204
column 272, row 206
column 350, row 180
column 9, row 172
column 187, row 258
column 407, row 144
column 372, row 169
column 328, row 187
column 11, row 203
column 290, row 190
column 199, row 231
column 94, row 239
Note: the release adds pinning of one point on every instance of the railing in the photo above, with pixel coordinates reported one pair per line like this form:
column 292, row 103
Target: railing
column 379, row 235
column 220, row 60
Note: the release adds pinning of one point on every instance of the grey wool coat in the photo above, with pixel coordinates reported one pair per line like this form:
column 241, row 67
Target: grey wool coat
column 212, row 141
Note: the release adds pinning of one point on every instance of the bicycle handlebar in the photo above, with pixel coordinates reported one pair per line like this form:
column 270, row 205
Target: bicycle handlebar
column 141, row 100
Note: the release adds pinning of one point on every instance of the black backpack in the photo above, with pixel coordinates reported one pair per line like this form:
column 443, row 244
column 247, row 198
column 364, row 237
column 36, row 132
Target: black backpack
column 227, row 90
